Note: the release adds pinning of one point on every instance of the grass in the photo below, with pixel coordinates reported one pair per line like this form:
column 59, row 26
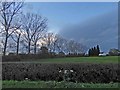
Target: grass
column 106, row 59
column 54, row 84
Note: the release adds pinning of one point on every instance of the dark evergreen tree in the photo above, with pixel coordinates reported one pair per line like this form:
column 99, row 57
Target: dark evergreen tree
column 94, row 51
column 89, row 52
column 98, row 50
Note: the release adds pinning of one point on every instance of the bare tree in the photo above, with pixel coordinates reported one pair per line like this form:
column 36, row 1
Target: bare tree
column 75, row 47
column 59, row 43
column 39, row 35
column 9, row 10
column 23, row 45
column 49, row 40
column 16, row 37
column 6, row 7
column 33, row 26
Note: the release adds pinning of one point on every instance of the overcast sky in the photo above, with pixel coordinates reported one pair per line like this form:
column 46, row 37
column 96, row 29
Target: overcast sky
column 87, row 22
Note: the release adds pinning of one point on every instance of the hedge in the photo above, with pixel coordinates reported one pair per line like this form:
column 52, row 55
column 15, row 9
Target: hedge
column 11, row 58
column 20, row 57
column 84, row 72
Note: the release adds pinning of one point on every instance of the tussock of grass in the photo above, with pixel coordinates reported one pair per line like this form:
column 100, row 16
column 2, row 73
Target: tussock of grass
column 54, row 84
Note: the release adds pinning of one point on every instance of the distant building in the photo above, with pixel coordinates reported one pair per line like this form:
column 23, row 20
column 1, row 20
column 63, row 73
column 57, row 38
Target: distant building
column 102, row 54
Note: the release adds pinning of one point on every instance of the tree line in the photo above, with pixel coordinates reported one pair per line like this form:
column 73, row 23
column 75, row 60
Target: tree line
column 28, row 32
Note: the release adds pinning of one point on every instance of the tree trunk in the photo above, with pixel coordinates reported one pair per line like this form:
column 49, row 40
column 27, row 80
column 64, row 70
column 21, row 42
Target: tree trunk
column 29, row 47
column 35, row 47
column 18, row 40
column 5, row 46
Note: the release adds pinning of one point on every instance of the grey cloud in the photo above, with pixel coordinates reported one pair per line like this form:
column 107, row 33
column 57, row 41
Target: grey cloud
column 100, row 30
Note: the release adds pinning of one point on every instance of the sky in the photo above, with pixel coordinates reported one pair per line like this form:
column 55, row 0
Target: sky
column 90, row 23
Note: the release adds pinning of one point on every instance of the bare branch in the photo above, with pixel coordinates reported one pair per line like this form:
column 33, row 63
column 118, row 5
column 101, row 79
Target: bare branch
column 33, row 26
column 9, row 12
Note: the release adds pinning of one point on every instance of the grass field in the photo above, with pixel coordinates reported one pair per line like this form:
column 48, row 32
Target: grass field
column 54, row 84
column 106, row 59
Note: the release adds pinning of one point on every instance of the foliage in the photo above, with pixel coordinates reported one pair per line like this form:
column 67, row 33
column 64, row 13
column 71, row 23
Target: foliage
column 114, row 52
column 95, row 51
column 75, row 55
column 68, row 75
column 54, row 58
column 42, row 54
column 85, row 72
column 11, row 58
column 44, row 50
column 61, row 54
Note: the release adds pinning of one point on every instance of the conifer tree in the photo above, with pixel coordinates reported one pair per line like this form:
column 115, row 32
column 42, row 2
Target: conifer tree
column 94, row 51
column 89, row 52
column 98, row 50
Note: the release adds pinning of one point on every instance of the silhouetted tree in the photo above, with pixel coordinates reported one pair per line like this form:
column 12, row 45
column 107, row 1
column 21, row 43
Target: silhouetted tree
column 98, row 50
column 89, row 52
column 8, row 12
column 33, row 25
column 44, row 50
column 95, row 51
column 92, row 51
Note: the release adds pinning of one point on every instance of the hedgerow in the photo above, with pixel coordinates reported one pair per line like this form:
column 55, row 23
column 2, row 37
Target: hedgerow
column 21, row 57
column 83, row 72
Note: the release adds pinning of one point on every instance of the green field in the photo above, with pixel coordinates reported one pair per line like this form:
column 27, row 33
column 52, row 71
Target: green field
column 106, row 59
column 54, row 84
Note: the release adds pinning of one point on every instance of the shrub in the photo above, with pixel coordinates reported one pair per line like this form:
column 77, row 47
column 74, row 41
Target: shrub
column 86, row 73
column 75, row 55
column 10, row 58
column 20, row 57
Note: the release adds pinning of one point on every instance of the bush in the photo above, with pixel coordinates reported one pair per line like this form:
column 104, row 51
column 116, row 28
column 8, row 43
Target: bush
column 10, row 58
column 20, row 57
column 86, row 73
column 75, row 55
column 114, row 52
